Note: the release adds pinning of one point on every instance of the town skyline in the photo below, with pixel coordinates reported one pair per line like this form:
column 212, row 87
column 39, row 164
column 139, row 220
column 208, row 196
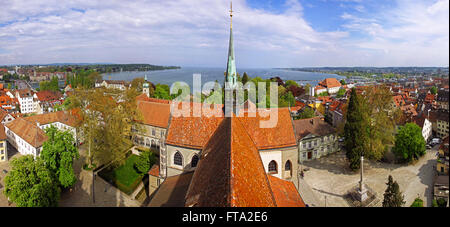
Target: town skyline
column 275, row 34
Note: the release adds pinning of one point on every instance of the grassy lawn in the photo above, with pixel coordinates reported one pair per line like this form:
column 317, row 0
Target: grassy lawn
column 124, row 177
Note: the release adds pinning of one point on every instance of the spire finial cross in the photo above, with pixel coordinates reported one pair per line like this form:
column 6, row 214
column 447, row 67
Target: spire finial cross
column 231, row 13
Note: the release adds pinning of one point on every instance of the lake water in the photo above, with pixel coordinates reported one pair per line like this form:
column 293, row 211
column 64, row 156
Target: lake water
column 211, row 74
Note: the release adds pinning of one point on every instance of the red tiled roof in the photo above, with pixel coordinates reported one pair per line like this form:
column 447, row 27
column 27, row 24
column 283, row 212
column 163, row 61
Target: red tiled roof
column 47, row 118
column 330, row 83
column 154, row 171
column 144, row 97
column 28, row 131
column 316, row 126
column 325, row 99
column 45, row 96
column 429, row 98
column 193, row 132
column 155, row 114
column 2, row 132
column 230, row 172
column 281, row 135
column 285, row 193
column 398, row 99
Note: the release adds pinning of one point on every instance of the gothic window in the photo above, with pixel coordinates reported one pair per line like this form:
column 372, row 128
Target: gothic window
column 194, row 161
column 178, row 159
column 273, row 167
column 288, row 165
column 153, row 132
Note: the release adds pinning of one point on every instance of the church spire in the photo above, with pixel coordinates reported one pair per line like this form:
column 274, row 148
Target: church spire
column 231, row 75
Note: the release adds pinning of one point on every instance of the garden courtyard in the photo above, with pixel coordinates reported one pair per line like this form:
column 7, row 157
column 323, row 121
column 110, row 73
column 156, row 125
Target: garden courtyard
column 330, row 178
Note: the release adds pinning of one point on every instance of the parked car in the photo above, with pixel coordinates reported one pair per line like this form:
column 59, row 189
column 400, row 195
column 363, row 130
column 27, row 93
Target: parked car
column 436, row 140
column 5, row 171
column 428, row 146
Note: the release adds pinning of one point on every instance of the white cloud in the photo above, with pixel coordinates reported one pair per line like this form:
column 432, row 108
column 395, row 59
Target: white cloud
column 188, row 32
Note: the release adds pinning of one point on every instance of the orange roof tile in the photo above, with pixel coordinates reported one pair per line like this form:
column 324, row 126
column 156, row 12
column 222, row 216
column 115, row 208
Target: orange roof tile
column 230, row 171
column 282, row 135
column 155, row 114
column 316, row 126
column 192, row 131
column 285, row 193
column 47, row 118
column 28, row 131
column 2, row 132
column 45, row 96
column 154, row 171
column 330, row 83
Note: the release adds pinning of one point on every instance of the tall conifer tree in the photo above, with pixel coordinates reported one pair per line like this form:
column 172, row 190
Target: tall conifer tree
column 392, row 196
column 355, row 130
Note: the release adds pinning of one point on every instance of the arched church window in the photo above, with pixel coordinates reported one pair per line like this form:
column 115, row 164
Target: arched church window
column 178, row 159
column 273, row 167
column 288, row 165
column 194, row 161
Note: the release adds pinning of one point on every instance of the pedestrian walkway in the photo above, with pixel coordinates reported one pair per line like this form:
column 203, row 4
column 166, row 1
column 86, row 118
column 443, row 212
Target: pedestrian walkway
column 308, row 195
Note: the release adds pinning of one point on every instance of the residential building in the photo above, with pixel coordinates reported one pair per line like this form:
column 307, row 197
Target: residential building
column 335, row 113
column 443, row 159
column 442, row 124
column 5, row 117
column 315, row 138
column 426, row 125
column 62, row 120
column 3, row 144
column 442, row 99
column 26, row 100
column 25, row 136
column 113, row 84
column 441, row 187
column 330, row 85
column 47, row 100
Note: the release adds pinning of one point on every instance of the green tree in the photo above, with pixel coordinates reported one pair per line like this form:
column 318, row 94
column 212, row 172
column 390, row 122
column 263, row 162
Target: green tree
column 58, row 154
column 137, row 83
column 409, row 143
column 291, row 83
column 145, row 162
column 306, row 113
column 383, row 118
column 392, row 196
column 433, row 90
column 162, row 91
column 355, row 129
column 340, row 93
column 417, row 202
column 307, row 87
column 31, row 184
column 343, row 82
column 245, row 78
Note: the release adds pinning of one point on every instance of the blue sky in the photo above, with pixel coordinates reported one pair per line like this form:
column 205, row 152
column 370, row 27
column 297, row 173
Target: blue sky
column 271, row 33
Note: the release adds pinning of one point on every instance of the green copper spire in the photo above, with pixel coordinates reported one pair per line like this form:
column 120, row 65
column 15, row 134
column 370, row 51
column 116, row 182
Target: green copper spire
column 231, row 75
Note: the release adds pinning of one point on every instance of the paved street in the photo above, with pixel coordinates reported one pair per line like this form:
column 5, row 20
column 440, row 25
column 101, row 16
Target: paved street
column 331, row 178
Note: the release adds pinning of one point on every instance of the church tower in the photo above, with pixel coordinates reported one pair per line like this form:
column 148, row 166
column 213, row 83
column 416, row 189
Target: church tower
column 231, row 75
column 146, row 87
